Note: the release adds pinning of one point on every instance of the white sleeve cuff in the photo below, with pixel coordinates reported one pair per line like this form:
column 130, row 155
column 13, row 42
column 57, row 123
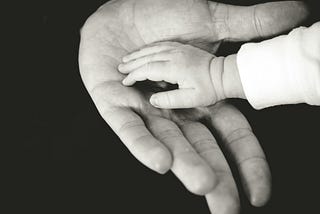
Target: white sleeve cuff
column 283, row 70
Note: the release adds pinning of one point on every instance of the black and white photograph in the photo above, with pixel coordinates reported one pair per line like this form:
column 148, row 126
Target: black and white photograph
column 161, row 106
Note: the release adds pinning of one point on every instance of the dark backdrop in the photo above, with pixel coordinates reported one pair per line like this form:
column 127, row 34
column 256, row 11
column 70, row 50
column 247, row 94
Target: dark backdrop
column 65, row 158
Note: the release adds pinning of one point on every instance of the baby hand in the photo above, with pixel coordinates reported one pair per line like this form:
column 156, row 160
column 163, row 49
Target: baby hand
column 175, row 63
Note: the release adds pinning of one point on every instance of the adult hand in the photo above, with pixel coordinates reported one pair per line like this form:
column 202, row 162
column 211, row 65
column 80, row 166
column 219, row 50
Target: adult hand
column 176, row 140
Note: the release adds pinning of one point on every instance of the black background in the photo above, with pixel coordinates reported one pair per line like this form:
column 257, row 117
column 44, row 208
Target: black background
column 65, row 159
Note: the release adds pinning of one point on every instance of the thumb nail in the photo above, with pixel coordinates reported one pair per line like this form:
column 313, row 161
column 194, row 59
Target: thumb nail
column 124, row 81
column 154, row 101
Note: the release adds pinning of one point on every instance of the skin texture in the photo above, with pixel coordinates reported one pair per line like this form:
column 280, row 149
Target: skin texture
column 177, row 140
column 202, row 78
column 175, row 63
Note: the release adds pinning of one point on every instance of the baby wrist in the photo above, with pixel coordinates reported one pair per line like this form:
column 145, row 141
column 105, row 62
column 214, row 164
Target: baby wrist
column 231, row 81
column 225, row 78
column 216, row 74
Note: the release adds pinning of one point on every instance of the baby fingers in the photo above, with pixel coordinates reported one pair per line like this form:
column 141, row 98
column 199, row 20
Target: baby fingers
column 179, row 98
column 151, row 49
column 143, row 61
column 154, row 71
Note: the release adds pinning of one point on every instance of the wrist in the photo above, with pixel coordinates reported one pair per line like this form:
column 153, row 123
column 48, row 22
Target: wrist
column 216, row 74
column 231, row 82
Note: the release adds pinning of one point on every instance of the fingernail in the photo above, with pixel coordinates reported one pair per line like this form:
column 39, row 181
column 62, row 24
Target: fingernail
column 124, row 81
column 154, row 101
column 125, row 59
column 120, row 67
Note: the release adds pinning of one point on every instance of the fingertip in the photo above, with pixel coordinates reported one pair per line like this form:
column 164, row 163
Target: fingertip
column 299, row 10
column 198, row 178
column 261, row 194
column 126, row 82
column 162, row 160
column 223, row 202
column 204, row 181
column 257, row 182
column 202, row 188
column 125, row 59
column 154, row 101
column 259, row 200
column 120, row 67
column 230, row 208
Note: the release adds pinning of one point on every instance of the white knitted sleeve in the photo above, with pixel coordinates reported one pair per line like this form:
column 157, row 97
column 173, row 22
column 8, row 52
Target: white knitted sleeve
column 282, row 70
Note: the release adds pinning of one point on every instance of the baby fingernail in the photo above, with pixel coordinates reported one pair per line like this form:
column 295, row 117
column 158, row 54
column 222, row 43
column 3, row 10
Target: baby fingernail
column 125, row 59
column 154, row 101
column 124, row 81
column 120, row 67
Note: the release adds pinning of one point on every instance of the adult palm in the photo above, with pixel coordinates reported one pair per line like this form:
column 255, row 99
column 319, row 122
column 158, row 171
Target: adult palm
column 177, row 140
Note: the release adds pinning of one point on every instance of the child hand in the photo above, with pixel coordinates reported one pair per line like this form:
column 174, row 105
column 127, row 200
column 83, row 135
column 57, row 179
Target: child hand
column 176, row 63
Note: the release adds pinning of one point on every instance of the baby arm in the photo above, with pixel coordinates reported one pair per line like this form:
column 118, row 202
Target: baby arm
column 202, row 78
column 282, row 70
